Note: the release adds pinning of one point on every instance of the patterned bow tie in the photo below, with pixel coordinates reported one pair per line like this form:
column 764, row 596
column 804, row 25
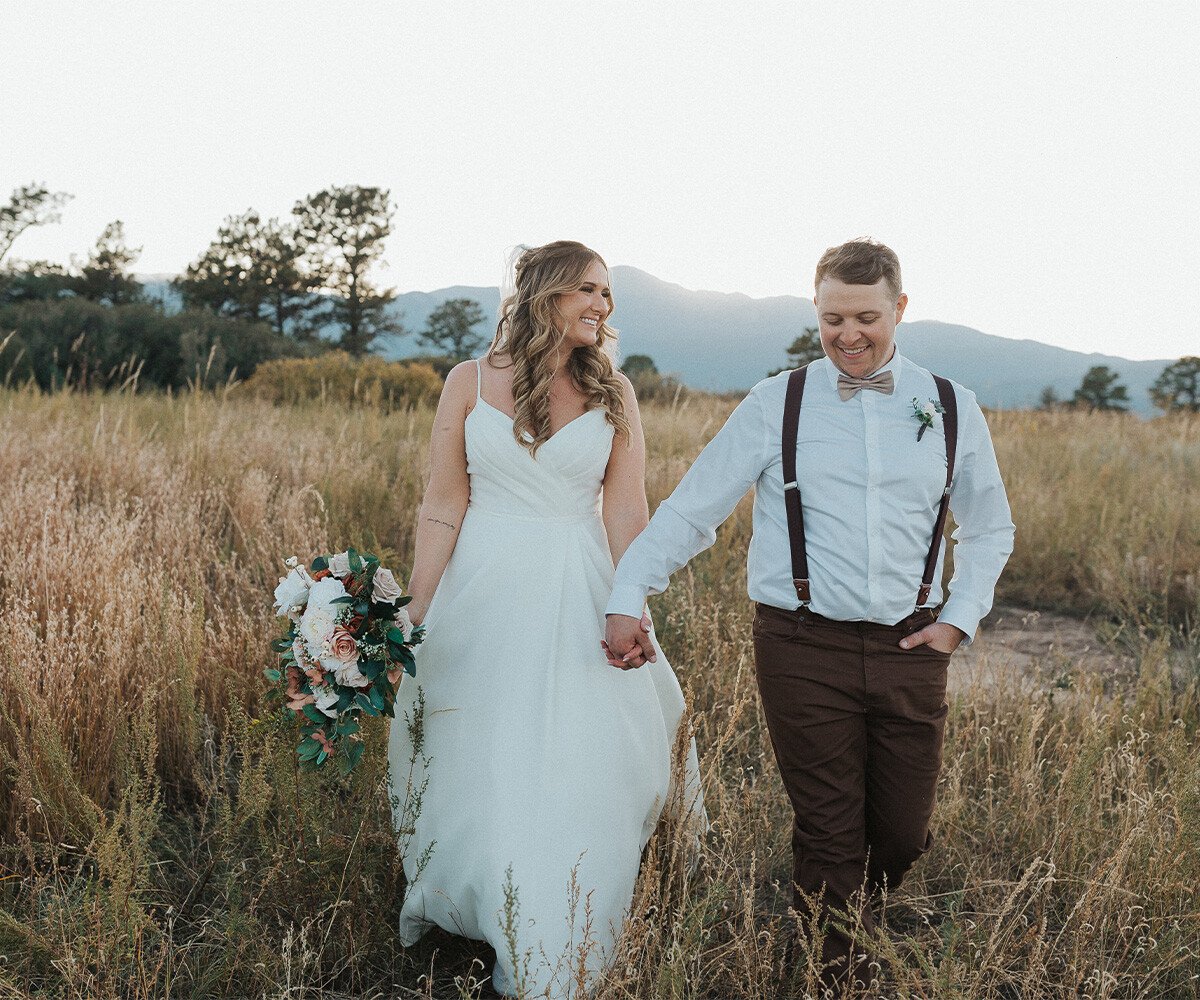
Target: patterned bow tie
column 880, row 382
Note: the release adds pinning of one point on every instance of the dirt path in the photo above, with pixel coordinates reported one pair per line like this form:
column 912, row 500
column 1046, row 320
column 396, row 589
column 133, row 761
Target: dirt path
column 1032, row 649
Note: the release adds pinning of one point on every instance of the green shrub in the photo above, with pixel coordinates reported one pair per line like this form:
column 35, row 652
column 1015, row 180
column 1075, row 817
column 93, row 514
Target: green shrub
column 337, row 377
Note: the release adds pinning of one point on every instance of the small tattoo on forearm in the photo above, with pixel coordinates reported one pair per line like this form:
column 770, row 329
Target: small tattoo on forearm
column 452, row 527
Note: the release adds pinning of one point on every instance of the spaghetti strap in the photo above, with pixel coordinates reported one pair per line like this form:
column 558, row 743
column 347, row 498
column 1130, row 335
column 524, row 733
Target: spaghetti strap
column 478, row 380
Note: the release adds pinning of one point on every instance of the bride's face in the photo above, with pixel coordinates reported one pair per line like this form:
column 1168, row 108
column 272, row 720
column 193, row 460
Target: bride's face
column 586, row 308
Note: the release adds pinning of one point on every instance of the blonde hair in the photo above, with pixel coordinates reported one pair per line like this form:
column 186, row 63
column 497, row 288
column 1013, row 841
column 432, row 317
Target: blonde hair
column 530, row 331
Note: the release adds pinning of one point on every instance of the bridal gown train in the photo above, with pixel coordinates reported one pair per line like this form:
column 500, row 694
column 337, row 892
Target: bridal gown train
column 537, row 756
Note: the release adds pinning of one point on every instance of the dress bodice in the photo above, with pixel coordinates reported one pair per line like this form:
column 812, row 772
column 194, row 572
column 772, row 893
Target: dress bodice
column 562, row 483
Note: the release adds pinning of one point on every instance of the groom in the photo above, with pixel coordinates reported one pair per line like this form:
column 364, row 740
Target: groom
column 851, row 638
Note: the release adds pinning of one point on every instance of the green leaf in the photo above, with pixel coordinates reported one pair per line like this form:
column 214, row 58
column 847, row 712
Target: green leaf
column 320, row 563
column 308, row 749
column 273, row 674
column 396, row 634
column 403, row 600
column 364, row 702
column 311, row 712
column 354, row 753
column 321, row 757
column 281, row 645
column 345, row 699
column 410, row 669
column 347, row 726
column 376, row 698
column 356, row 563
column 370, row 669
column 343, row 600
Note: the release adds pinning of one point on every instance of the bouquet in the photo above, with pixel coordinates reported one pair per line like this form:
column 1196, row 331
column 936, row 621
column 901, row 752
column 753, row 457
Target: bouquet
column 347, row 645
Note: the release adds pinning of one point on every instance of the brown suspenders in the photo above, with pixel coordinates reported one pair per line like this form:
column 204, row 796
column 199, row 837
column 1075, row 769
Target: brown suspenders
column 791, row 488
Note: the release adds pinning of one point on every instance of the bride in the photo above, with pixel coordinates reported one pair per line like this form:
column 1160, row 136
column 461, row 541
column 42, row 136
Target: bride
column 527, row 773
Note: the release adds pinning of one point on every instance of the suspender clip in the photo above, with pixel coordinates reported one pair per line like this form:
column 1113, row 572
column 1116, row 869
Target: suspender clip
column 789, row 486
column 802, row 591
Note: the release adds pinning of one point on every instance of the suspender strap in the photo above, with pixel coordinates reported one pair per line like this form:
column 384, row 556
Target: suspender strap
column 791, row 488
column 950, row 428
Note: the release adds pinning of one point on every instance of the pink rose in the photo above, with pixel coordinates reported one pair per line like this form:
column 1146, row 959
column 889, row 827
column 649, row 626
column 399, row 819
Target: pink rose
column 343, row 647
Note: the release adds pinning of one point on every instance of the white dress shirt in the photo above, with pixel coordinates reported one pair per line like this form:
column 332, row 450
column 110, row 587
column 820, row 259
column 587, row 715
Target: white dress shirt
column 870, row 492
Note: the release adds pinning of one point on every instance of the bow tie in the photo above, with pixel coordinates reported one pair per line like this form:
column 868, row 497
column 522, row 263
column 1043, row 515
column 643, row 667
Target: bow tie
column 879, row 382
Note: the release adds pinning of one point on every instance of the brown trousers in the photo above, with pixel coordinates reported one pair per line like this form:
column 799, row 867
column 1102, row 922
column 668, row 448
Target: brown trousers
column 857, row 725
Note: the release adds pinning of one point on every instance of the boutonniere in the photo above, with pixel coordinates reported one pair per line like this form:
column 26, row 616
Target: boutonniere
column 924, row 413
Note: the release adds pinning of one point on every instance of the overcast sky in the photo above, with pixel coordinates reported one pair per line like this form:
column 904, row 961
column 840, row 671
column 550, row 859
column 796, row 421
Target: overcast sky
column 1035, row 165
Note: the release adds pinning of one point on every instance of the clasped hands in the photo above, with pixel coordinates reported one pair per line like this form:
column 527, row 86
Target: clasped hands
column 627, row 643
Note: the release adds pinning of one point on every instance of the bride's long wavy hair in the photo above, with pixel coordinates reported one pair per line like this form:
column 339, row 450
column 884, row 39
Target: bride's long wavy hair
column 530, row 331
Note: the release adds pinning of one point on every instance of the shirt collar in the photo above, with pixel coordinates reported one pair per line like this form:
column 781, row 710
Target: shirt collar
column 893, row 366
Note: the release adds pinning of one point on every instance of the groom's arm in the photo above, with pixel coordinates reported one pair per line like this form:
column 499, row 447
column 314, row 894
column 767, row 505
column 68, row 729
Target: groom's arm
column 984, row 536
column 686, row 522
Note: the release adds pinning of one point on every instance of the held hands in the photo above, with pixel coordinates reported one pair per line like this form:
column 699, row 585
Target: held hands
column 938, row 636
column 627, row 642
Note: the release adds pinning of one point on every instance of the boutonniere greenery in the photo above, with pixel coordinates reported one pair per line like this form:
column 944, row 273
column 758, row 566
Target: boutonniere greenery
column 924, row 413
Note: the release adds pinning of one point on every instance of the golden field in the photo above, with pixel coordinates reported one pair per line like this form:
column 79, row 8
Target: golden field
column 157, row 840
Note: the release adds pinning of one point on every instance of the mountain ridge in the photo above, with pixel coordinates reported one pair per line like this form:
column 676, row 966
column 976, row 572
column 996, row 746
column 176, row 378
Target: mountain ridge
column 728, row 341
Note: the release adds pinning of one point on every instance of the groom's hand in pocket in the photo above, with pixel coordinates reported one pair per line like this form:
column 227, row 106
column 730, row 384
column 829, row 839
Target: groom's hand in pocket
column 937, row 636
column 627, row 642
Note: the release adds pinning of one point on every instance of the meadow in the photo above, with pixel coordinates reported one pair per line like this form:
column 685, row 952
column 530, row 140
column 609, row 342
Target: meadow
column 156, row 839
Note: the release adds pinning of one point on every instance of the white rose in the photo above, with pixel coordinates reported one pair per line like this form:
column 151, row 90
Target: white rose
column 929, row 410
column 339, row 565
column 405, row 623
column 327, row 699
column 348, row 675
column 292, row 592
column 386, row 589
column 320, row 617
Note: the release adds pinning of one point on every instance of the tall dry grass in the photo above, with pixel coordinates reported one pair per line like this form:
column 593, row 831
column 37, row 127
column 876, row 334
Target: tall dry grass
column 158, row 841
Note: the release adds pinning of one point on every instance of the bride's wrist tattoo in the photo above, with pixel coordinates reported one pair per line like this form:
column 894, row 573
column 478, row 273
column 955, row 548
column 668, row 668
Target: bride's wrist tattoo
column 452, row 527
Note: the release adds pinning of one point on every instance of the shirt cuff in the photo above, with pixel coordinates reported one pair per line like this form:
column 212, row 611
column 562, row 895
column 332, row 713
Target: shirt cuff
column 627, row 599
column 962, row 614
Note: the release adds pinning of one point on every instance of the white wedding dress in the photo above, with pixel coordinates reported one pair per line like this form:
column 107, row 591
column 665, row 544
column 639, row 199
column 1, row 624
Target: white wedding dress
column 538, row 758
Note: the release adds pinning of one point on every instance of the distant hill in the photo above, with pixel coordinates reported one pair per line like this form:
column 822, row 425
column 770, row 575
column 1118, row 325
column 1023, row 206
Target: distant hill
column 727, row 341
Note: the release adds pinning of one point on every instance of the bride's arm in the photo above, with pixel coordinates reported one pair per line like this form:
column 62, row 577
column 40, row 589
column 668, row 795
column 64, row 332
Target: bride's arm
column 625, row 510
column 448, row 492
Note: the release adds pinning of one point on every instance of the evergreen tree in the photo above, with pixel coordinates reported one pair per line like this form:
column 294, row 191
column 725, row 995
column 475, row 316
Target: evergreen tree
column 342, row 231
column 31, row 205
column 105, row 277
column 253, row 270
column 1099, row 391
column 450, row 329
column 639, row 364
column 1049, row 399
column 1178, row 387
column 805, row 348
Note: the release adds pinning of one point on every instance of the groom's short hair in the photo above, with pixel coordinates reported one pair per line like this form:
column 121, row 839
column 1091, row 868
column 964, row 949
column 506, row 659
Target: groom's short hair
column 860, row 262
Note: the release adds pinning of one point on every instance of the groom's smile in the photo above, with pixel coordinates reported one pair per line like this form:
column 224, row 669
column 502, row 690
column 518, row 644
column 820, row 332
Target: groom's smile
column 858, row 324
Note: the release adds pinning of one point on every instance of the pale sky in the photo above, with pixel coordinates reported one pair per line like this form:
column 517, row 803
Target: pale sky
column 1035, row 165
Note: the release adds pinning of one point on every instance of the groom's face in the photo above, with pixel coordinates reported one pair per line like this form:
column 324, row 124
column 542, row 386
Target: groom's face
column 858, row 324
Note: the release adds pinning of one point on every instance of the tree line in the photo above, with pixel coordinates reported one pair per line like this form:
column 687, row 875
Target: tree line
column 264, row 288
column 294, row 287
